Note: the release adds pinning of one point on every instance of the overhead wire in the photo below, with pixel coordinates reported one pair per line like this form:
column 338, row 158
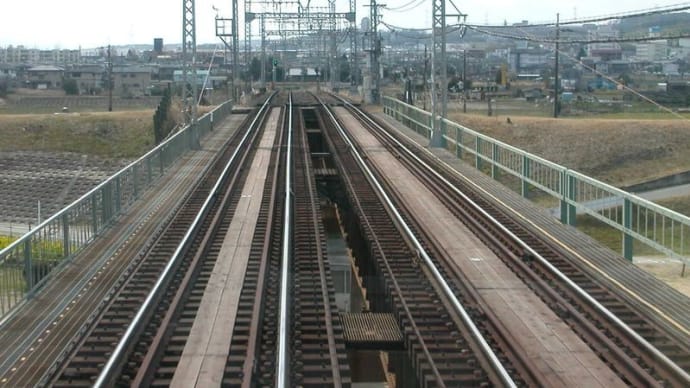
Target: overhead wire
column 533, row 38
column 412, row 4
column 595, row 19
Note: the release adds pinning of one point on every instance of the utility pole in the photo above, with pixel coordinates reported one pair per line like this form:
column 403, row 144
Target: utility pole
column 249, row 16
column 556, row 80
column 235, row 51
column 426, row 72
column 110, row 80
column 464, row 81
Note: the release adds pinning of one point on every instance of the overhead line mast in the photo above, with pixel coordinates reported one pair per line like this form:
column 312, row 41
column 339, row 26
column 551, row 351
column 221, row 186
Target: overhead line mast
column 439, row 69
column 189, row 76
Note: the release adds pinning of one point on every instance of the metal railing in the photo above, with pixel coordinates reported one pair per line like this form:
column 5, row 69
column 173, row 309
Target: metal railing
column 636, row 218
column 28, row 261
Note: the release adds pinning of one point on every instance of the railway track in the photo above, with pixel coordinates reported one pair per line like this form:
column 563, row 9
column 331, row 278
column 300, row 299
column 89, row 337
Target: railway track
column 443, row 347
column 86, row 362
column 646, row 355
column 188, row 307
column 285, row 310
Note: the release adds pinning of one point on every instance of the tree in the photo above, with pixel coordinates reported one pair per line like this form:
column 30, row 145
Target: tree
column 69, row 85
column 162, row 123
column 343, row 68
column 255, row 69
column 625, row 79
column 132, row 55
column 499, row 77
column 3, row 87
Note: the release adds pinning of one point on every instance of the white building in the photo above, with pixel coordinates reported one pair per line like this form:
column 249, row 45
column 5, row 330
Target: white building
column 653, row 50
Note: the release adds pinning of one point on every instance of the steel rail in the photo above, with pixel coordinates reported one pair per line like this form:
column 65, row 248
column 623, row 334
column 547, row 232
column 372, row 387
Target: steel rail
column 657, row 354
column 115, row 358
column 500, row 370
column 282, row 379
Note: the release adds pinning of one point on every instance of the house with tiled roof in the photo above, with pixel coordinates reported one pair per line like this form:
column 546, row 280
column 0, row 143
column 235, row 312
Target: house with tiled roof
column 45, row 77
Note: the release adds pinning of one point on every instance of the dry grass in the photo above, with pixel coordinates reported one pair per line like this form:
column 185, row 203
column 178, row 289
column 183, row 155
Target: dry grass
column 617, row 151
column 109, row 134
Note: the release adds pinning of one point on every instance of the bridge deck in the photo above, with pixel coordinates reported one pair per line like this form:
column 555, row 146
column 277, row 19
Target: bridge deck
column 32, row 339
column 659, row 301
column 561, row 356
column 204, row 356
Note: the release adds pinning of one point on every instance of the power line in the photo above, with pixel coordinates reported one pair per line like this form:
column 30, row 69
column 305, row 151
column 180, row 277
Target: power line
column 577, row 41
column 615, row 16
column 403, row 8
column 452, row 28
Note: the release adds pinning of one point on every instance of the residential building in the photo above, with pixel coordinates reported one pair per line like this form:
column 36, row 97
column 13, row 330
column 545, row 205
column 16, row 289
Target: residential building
column 90, row 78
column 45, row 77
column 21, row 54
column 8, row 71
column 131, row 81
column 203, row 79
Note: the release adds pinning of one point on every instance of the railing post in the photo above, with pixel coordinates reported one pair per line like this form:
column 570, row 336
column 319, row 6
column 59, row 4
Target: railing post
column 627, row 224
column 28, row 267
column 478, row 152
column 458, row 142
column 568, row 189
column 161, row 157
column 118, row 195
column 105, row 202
column 494, row 166
column 564, row 195
column 65, row 235
column 428, row 131
column 94, row 213
column 572, row 195
column 135, row 182
column 526, row 171
column 149, row 171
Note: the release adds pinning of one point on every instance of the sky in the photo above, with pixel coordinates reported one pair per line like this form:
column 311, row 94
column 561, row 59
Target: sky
column 71, row 24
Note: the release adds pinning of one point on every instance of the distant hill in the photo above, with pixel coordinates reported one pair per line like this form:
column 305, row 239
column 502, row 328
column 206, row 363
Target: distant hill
column 669, row 23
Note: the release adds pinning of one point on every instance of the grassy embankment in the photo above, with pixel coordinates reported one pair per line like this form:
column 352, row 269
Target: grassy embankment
column 107, row 135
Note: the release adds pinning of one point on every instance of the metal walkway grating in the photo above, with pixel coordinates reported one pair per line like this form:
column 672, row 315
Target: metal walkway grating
column 371, row 331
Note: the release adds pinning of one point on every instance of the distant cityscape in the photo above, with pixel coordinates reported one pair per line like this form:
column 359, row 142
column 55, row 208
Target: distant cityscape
column 652, row 64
